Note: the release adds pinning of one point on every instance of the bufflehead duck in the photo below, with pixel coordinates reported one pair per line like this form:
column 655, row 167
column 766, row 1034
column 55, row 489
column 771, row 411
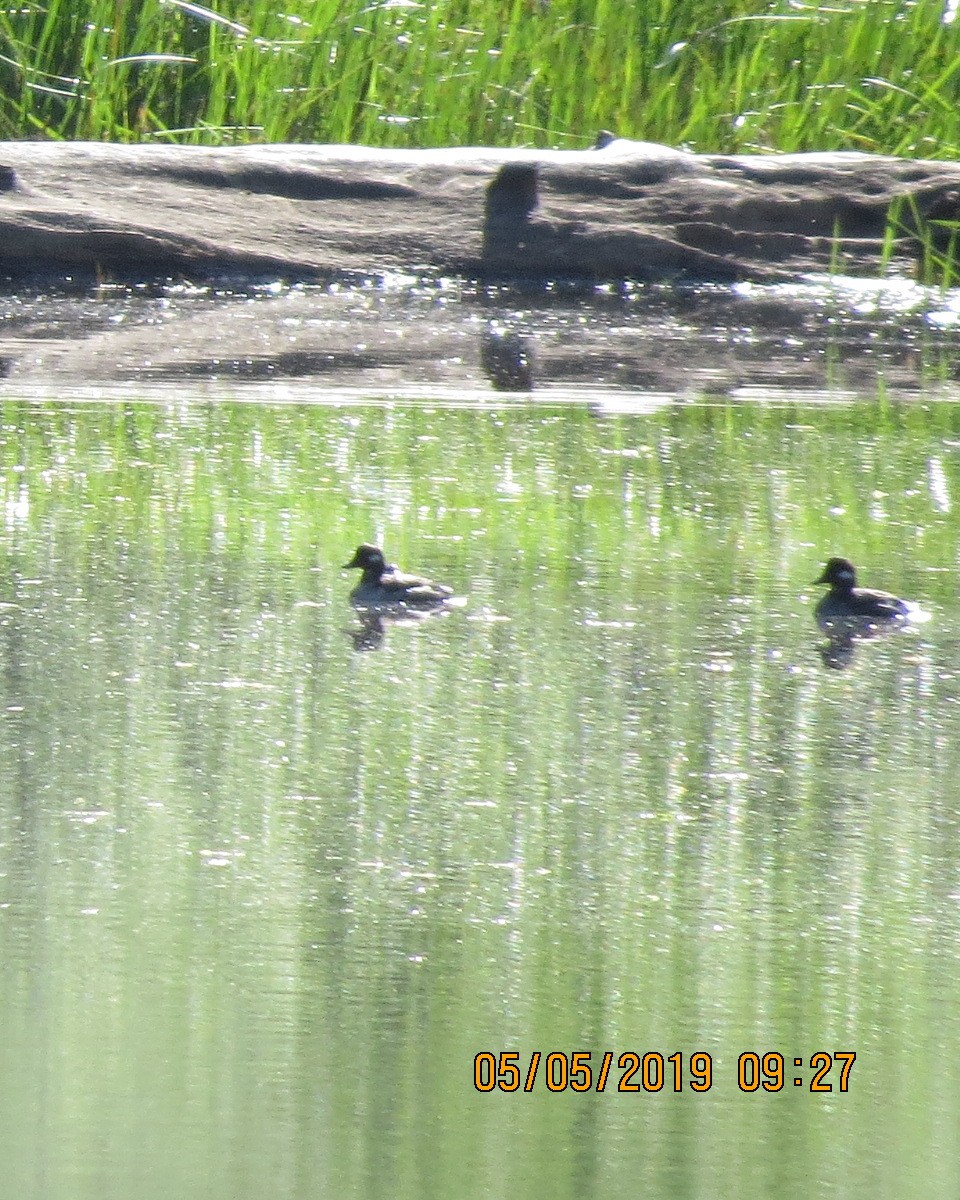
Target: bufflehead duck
column 382, row 583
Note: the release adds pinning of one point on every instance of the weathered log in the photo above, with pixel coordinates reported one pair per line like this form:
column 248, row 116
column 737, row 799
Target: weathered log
column 626, row 210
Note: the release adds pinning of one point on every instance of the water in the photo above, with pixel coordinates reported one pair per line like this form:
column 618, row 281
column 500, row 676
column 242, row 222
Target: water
column 271, row 879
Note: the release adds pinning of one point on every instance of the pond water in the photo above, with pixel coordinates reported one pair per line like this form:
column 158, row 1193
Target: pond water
column 273, row 876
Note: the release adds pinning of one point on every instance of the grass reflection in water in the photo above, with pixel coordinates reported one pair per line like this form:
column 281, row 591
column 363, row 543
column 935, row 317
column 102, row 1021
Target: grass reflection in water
column 282, row 893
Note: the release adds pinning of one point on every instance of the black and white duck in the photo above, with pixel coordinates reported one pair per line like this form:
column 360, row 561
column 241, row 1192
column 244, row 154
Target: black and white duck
column 858, row 608
column 383, row 584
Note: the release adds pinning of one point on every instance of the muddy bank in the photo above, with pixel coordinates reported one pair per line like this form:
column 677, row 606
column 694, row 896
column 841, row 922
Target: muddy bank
column 626, row 210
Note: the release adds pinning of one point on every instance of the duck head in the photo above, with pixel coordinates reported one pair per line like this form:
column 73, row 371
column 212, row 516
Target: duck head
column 840, row 573
column 366, row 558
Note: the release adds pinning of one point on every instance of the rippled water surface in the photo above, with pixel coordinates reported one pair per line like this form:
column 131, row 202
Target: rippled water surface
column 272, row 875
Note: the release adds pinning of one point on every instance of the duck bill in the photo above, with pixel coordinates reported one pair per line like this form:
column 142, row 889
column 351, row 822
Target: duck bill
column 354, row 562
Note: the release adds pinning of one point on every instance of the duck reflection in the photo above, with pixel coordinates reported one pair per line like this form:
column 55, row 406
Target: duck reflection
column 371, row 631
column 839, row 649
column 844, row 637
column 837, row 653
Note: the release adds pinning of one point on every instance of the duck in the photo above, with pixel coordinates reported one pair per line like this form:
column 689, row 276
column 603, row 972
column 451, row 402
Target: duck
column 383, row 584
column 848, row 606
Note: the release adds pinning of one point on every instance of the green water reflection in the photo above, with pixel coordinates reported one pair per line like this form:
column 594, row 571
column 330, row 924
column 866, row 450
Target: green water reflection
column 264, row 896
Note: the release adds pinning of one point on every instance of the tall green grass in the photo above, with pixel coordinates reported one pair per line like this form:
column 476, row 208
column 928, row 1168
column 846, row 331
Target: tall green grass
column 879, row 75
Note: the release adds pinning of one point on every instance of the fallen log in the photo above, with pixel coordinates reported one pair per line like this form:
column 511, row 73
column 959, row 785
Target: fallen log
column 623, row 211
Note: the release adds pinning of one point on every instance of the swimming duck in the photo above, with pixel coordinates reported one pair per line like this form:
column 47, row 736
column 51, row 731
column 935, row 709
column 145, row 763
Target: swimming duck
column 848, row 605
column 382, row 584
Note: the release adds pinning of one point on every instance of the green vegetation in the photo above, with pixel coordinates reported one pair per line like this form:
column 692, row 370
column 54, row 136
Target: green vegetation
column 878, row 75
column 936, row 243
